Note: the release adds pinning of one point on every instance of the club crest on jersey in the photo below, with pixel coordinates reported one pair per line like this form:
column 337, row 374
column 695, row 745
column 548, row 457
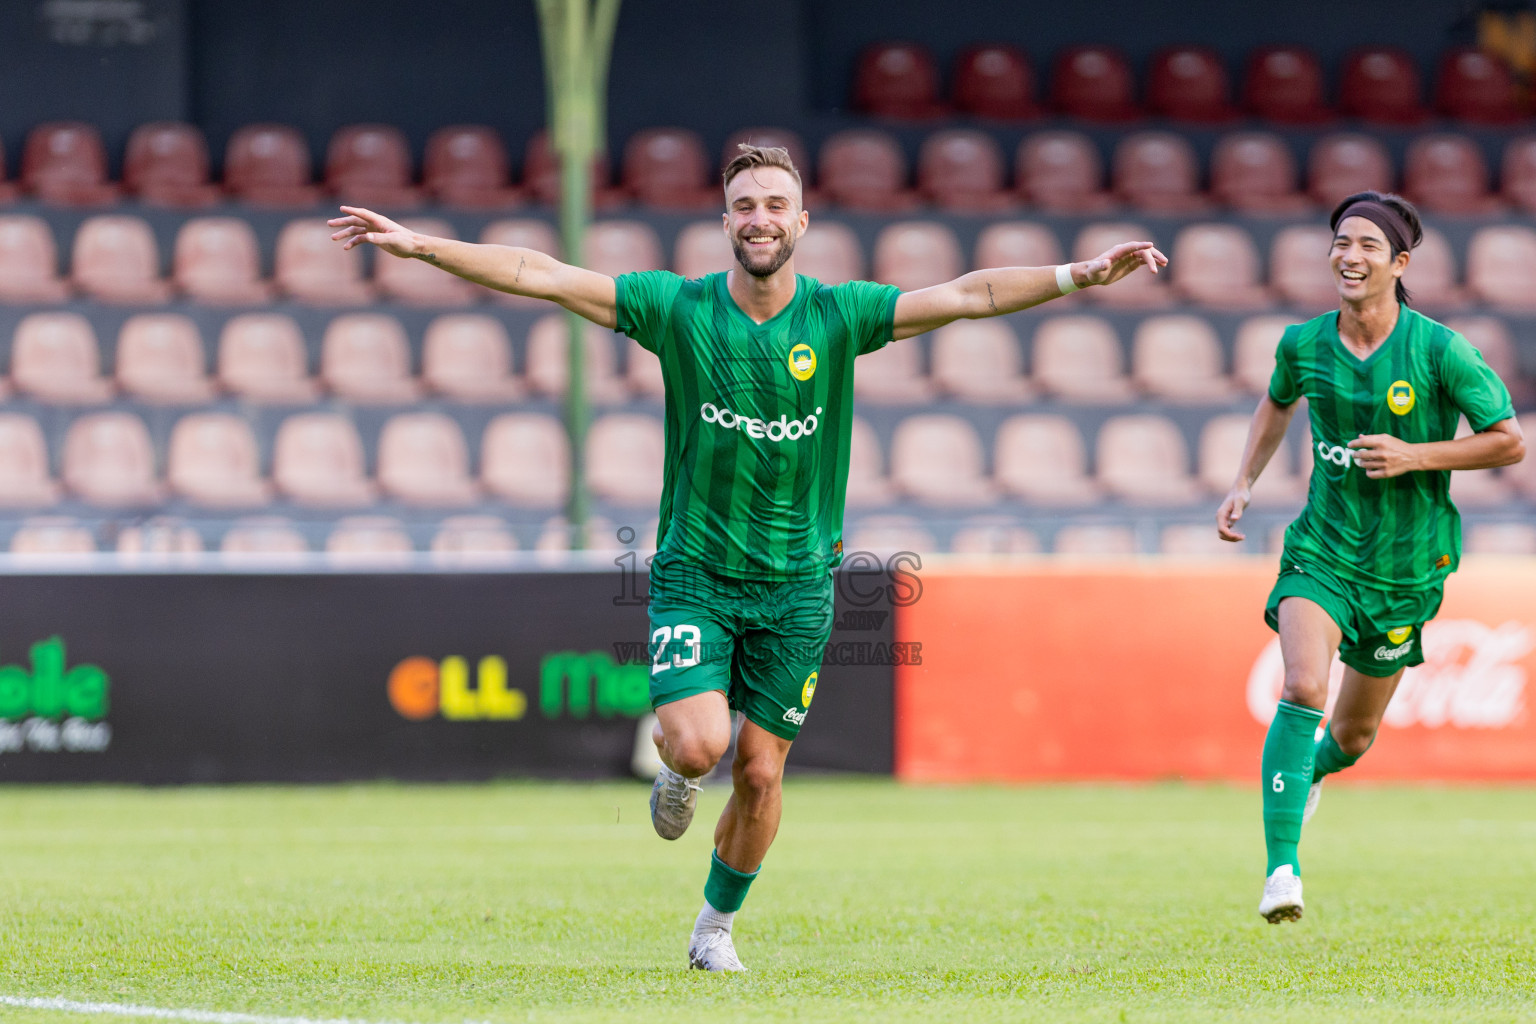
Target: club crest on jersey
column 1400, row 397
column 1400, row 634
column 802, row 362
column 808, row 690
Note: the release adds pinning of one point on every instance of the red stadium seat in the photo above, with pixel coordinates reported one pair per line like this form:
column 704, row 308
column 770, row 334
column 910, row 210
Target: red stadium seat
column 64, row 162
column 54, row 358
column 549, row 364
column 1061, row 172
column 218, row 262
column 980, row 361
column 115, row 260
column 1299, row 270
column 962, row 170
column 864, row 170
column 937, row 459
column 1431, row 275
column 829, row 252
column 993, row 535
column 666, row 168
column 1222, row 441
column 1285, row 83
column 1095, row 540
column 1474, row 85
column 526, row 460
column 370, row 165
column 625, row 455
column 415, row 283
column 995, row 81
column 1094, row 83
column 541, row 174
column 1143, row 460
column 1198, row 542
column 867, row 483
column 1189, row 83
column 52, row 538
column 262, row 539
column 160, row 359
column 885, row 535
column 1381, row 84
column 527, row 234
column 1499, row 259
column 317, row 459
column 642, row 372
column 167, row 165
column 159, row 540
column 1343, row 164
column 312, row 269
column 1158, row 171
column 1255, row 172
column 468, row 356
column 892, row 375
column 109, row 460
column 29, row 262
column 615, row 247
column 369, row 540
column 472, row 540
column 366, row 357
column 1490, row 335
column 897, row 80
column 1043, row 460
column 768, row 137
column 262, row 358
column 1217, row 265
column 1178, row 358
column 1445, row 173
column 269, row 165
column 24, row 478
column 1518, row 173
column 1139, row 290
column 213, row 461
column 423, row 460
column 1017, row 244
column 702, row 248
column 1253, row 351
column 466, row 165
column 917, row 254
column 1078, row 359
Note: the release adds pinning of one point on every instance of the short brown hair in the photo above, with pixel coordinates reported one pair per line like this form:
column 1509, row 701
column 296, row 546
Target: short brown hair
column 761, row 156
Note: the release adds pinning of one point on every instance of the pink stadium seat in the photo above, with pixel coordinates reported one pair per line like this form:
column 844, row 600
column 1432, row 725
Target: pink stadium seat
column 1498, row 262
column 615, row 247
column 1478, row 488
column 1381, row 84
column 995, row 81
column 463, row 541
column 1445, row 173
column 54, row 358
column 25, row 481
column 1299, row 270
column 917, row 254
column 829, row 252
column 993, row 535
column 1285, row 83
column 160, row 359
column 979, row 361
column 1140, row 290
column 1255, row 172
column 1094, row 83
column 369, row 540
column 892, row 375
column 1253, row 355
column 1518, row 173
column 65, row 163
column 1042, row 459
column 1523, row 473
column 366, row 357
column 1143, row 460
column 886, row 535
column 1095, row 540
column 1217, row 266
column 468, row 357
column 541, row 174
column 960, row 169
column 213, row 461
column 423, row 460
column 642, row 373
column 415, row 283
column 1490, row 336
column 1189, row 83
column 158, row 540
column 1474, row 85
column 52, row 537
column 867, row 483
column 766, row 137
column 29, row 262
column 312, row 269
column 262, row 358
column 1222, row 441
column 937, row 459
column 1017, row 244
column 1158, row 171
column 527, row 234
column 1077, row 359
column 557, row 535
column 548, row 367
column 269, row 165
column 666, row 168
column 1198, row 542
column 1061, row 172
column 1431, row 275
column 466, row 165
column 526, row 460
column 897, row 80
column 1501, row 538
column 864, row 169
column 263, row 539
column 1346, row 163
column 702, row 248
column 1178, row 358
column 115, row 260
column 167, row 165
column 109, row 460
column 370, row 165
column 218, row 262
column 317, row 459
column 624, row 459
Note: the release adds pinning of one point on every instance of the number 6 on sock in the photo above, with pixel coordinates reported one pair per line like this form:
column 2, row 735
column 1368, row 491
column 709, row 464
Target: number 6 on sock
column 1277, row 783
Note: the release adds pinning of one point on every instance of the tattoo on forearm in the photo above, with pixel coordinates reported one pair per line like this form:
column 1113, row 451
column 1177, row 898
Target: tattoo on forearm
column 428, row 257
column 519, row 275
column 989, row 297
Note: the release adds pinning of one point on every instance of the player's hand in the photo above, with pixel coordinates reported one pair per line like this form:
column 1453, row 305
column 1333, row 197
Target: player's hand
column 1383, row 456
column 360, row 225
column 1116, row 263
column 1230, row 512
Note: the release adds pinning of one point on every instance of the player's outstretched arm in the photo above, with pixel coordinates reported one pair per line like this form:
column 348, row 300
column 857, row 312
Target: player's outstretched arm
column 1002, row 290
column 503, row 267
column 1383, row 456
column 1270, row 422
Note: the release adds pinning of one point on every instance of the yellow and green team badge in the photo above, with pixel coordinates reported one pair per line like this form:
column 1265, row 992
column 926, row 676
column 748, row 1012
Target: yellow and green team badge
column 1400, row 397
column 802, row 362
column 808, row 690
column 1399, row 634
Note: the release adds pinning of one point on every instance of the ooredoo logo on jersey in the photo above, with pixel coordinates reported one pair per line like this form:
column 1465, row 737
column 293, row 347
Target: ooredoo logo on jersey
column 781, row 429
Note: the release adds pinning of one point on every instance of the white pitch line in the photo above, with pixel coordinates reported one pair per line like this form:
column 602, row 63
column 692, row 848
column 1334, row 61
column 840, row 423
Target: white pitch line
column 166, row 1013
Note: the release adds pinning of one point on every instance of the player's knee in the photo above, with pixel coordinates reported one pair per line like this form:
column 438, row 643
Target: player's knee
column 759, row 777
column 1353, row 738
column 1304, row 685
column 696, row 755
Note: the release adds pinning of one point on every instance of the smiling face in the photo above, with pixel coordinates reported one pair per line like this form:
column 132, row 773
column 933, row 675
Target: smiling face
column 1364, row 268
column 763, row 218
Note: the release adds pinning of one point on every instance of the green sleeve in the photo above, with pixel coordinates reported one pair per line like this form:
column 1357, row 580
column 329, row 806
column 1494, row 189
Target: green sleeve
column 1284, row 383
column 870, row 311
column 643, row 301
column 1473, row 386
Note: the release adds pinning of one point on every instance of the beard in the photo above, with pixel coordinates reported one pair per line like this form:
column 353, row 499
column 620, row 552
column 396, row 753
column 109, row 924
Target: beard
column 763, row 264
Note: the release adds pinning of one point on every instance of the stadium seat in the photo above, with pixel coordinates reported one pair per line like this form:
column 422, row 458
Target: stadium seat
column 1017, row 244
column 1061, row 172
column 960, row 169
column 1474, row 85
column 1189, row 83
column 1093, row 83
column 1253, row 352
column 213, row 461
column 64, row 163
column 979, row 361
column 864, row 169
column 1143, row 460
column 1346, row 163
column 317, row 459
column 7, row 188
column 366, row 357
column 423, row 460
column 1042, row 459
column 867, row 483
column 369, row 541
column 1478, row 488
column 528, row 234
column 995, row 81
column 1501, row 538
column 829, row 252
column 25, row 481
column 541, row 174
column 29, row 262
column 624, row 458
column 1178, row 358
column 160, row 359
column 1523, row 473
column 769, row 137
column 167, row 165
column 548, row 367
column 1077, row 359
column 937, row 459
column 312, row 269
column 885, row 535
column 1140, row 290
column 1217, row 266
column 525, row 459
column 262, row 539
column 109, row 460
column 897, row 80
column 666, row 168
column 1381, row 84
column 642, row 372
column 556, row 536
column 1285, row 83
column 1299, row 269
column 703, row 248
column 262, row 358
column 269, row 165
column 1431, row 275
column 1255, row 172
column 1499, row 258
column 415, row 283
column 1220, row 452
column 1490, row 336
column 615, row 247
column 466, row 165
column 370, row 165
column 52, row 537
column 993, row 535
column 892, row 375
column 54, row 358
column 468, row 357
column 467, row 541
column 1198, row 542
column 917, row 254
column 218, row 262
column 1445, row 173
column 1158, row 172
column 159, row 540
column 115, row 260
column 1518, row 173
column 1095, row 540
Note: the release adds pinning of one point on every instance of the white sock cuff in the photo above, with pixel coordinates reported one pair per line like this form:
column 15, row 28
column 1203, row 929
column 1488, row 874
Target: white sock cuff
column 710, row 918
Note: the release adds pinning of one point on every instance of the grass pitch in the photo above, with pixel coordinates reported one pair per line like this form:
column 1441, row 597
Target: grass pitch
column 530, row 902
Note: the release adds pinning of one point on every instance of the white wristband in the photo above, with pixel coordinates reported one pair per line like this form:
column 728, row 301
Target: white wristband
column 1064, row 279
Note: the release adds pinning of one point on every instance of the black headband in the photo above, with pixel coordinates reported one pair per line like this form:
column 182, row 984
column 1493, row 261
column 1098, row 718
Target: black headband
column 1384, row 217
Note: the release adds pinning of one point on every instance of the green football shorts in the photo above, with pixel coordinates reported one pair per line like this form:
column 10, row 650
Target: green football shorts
column 1382, row 629
column 759, row 642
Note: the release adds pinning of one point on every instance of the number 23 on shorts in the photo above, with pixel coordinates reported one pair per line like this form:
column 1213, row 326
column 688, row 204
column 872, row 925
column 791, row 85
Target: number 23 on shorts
column 675, row 647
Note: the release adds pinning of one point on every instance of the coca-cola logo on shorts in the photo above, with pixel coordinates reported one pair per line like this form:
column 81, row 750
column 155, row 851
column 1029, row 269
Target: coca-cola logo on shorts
column 1471, row 678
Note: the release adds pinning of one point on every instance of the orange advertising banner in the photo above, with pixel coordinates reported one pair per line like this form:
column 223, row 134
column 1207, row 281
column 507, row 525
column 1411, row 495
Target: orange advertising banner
column 1152, row 670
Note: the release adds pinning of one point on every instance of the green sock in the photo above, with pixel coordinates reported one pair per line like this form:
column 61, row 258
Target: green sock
column 1329, row 757
column 727, row 888
column 1287, row 775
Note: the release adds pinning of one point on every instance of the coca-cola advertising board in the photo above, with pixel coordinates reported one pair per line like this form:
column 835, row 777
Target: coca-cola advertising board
column 1161, row 670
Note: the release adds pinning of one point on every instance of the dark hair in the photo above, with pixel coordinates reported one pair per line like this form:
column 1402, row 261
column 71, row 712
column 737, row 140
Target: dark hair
column 760, row 156
column 1398, row 205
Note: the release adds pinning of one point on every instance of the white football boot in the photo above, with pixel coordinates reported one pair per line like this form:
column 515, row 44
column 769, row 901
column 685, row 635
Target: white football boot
column 673, row 799
column 712, row 950
column 1314, row 796
column 1282, row 896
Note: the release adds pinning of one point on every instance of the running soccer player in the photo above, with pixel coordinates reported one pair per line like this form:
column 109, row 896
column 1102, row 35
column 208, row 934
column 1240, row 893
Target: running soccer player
column 758, row 367
column 1365, row 563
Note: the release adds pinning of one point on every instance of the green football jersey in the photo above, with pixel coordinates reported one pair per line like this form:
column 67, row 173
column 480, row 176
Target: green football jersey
column 758, row 417
column 1401, row 533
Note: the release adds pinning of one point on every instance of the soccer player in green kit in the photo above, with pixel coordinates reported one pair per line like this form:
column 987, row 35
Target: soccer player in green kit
column 1365, row 563
column 758, row 365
